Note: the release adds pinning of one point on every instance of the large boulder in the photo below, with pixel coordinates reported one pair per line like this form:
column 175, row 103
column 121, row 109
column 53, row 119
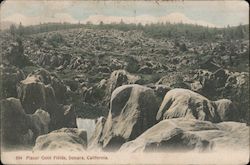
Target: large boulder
column 224, row 84
column 39, row 123
column 10, row 77
column 237, row 89
column 210, row 82
column 118, row 78
column 100, row 93
column 36, row 91
column 64, row 139
column 15, row 55
column 48, row 78
column 130, row 114
column 227, row 111
column 94, row 140
column 175, row 80
column 186, row 103
column 14, row 121
column 32, row 95
column 187, row 135
column 19, row 128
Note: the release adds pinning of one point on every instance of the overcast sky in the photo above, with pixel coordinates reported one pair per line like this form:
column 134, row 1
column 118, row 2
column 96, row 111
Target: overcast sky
column 207, row 13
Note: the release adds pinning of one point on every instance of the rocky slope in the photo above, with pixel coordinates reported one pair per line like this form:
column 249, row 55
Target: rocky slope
column 131, row 80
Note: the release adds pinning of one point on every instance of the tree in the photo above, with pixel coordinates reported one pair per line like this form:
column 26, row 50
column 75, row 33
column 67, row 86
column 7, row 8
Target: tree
column 20, row 29
column 240, row 31
column 13, row 29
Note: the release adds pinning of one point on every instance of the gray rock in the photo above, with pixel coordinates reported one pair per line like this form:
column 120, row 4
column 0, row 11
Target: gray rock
column 175, row 80
column 65, row 139
column 94, row 140
column 39, row 123
column 130, row 114
column 196, row 86
column 47, row 78
column 19, row 128
column 15, row 55
column 10, row 77
column 188, row 104
column 186, row 135
column 145, row 70
column 226, row 110
column 37, row 92
column 14, row 121
column 118, row 78
column 54, row 61
column 224, row 84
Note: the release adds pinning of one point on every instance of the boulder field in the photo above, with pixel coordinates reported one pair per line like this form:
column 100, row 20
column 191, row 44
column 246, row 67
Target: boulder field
column 193, row 93
column 134, row 110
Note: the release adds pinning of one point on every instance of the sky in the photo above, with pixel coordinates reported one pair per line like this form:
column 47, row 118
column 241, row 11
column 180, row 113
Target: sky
column 206, row 13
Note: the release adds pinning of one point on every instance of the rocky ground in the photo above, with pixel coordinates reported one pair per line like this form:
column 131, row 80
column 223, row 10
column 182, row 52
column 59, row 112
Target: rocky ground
column 132, row 84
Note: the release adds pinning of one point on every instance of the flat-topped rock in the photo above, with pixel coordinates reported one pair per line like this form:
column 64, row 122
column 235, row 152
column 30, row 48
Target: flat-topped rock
column 187, row 135
column 65, row 139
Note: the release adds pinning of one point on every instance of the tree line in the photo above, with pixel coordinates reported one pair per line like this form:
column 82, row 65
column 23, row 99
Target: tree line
column 158, row 30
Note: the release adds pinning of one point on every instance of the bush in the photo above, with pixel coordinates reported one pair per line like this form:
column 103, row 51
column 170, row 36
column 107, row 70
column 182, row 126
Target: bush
column 38, row 41
column 55, row 39
column 13, row 29
column 183, row 47
column 132, row 64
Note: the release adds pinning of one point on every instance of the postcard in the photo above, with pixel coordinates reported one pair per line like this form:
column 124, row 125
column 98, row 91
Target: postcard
column 124, row 82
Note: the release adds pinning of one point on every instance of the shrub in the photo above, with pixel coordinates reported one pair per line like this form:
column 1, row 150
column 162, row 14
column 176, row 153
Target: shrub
column 38, row 41
column 132, row 64
column 55, row 39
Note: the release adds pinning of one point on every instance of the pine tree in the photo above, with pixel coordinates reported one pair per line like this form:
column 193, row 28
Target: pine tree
column 13, row 29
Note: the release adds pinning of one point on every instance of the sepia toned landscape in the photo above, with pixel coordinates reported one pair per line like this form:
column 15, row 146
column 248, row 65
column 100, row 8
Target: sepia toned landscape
column 124, row 88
